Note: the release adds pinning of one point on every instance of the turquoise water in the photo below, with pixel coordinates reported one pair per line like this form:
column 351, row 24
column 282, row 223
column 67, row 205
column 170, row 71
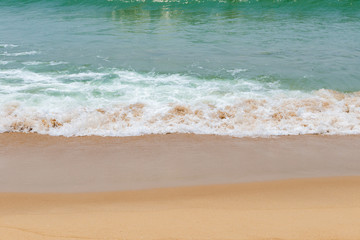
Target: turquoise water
column 242, row 68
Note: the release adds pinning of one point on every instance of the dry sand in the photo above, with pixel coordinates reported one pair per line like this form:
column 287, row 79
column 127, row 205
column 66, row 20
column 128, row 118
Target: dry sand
column 55, row 187
column 327, row 208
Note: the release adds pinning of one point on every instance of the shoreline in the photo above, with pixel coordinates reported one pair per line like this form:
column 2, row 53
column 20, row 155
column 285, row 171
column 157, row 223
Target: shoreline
column 314, row 209
column 179, row 186
column 43, row 163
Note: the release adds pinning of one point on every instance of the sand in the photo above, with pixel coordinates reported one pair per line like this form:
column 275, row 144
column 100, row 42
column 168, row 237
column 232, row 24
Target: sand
column 179, row 187
column 327, row 208
column 40, row 163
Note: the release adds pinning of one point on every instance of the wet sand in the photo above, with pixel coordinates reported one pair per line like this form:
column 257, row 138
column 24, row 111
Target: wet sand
column 40, row 163
column 179, row 187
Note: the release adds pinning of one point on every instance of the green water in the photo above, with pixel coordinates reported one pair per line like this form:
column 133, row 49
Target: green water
column 66, row 59
column 305, row 45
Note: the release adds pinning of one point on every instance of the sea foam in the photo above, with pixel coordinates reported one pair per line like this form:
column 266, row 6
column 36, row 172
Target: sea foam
column 16, row 54
column 128, row 103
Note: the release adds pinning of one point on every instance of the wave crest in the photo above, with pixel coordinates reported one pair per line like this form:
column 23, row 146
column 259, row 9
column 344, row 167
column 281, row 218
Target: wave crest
column 324, row 112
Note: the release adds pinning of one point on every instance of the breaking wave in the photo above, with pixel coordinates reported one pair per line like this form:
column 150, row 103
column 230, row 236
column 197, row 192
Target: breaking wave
column 125, row 103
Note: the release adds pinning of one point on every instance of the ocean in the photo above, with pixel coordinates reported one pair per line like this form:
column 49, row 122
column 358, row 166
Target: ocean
column 225, row 67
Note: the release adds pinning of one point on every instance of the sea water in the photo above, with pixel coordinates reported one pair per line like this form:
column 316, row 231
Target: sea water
column 227, row 67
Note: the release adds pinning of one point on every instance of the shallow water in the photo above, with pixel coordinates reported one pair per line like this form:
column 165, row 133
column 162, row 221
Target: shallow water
column 120, row 68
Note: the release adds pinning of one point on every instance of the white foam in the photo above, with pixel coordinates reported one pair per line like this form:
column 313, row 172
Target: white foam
column 125, row 103
column 248, row 117
column 52, row 63
column 19, row 53
column 32, row 63
column 55, row 63
column 84, row 75
column 3, row 45
column 236, row 71
column 4, row 62
column 26, row 76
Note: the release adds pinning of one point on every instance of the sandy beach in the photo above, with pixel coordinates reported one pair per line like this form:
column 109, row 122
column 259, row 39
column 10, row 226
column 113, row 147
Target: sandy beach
column 318, row 209
column 179, row 186
column 179, row 120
